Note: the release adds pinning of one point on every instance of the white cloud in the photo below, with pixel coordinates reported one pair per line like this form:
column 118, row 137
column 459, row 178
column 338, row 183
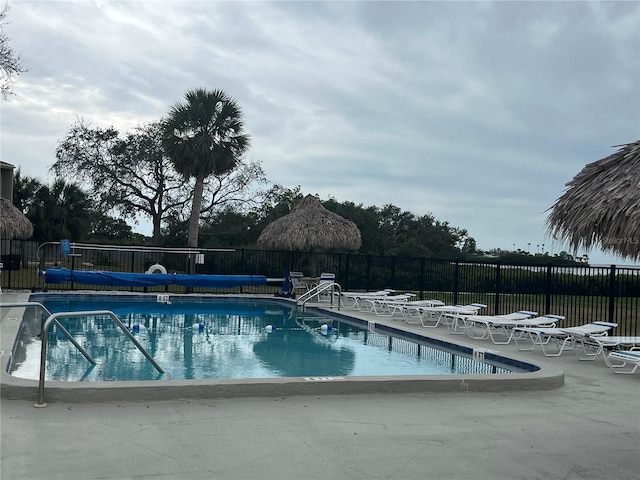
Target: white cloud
column 478, row 112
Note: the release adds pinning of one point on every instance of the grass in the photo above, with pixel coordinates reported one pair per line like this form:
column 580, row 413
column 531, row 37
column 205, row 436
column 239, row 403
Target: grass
column 577, row 309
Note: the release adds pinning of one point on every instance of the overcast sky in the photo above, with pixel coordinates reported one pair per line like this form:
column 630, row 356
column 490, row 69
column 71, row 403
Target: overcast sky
column 476, row 112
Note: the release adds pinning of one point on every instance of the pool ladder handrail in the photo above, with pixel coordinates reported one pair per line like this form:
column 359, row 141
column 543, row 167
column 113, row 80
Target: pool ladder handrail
column 302, row 300
column 53, row 318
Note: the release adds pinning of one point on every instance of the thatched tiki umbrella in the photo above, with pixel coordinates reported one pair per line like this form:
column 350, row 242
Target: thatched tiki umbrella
column 13, row 224
column 601, row 205
column 310, row 226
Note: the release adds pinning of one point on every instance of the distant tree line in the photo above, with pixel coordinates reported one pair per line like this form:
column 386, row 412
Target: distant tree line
column 234, row 216
column 66, row 210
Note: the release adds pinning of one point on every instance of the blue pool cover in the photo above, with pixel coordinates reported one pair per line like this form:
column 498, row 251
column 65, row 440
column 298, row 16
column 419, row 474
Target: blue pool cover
column 121, row 279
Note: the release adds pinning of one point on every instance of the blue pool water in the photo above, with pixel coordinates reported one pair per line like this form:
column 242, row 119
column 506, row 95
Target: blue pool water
column 213, row 338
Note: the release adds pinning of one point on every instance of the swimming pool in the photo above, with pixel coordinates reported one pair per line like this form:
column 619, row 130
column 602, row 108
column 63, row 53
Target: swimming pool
column 197, row 338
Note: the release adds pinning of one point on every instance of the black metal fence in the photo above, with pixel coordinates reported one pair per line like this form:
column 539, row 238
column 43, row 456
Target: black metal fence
column 582, row 294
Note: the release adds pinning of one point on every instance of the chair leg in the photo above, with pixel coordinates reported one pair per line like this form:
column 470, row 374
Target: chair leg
column 586, row 355
column 616, row 368
column 567, row 344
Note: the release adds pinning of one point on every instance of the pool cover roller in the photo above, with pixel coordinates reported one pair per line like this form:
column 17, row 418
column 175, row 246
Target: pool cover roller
column 121, row 279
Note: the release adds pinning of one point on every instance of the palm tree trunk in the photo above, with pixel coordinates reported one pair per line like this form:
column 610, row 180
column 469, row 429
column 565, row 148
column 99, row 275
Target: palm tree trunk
column 194, row 220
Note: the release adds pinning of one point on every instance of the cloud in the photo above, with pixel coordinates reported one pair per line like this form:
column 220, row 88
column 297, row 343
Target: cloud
column 477, row 112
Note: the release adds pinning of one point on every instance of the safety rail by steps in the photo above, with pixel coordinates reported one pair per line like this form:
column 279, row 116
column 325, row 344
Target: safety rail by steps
column 53, row 318
column 315, row 292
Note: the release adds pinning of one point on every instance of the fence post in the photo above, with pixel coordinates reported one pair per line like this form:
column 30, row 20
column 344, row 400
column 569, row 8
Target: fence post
column 73, row 263
column 244, row 266
column 612, row 292
column 9, row 268
column 496, row 306
column 393, row 271
column 422, row 280
column 347, row 263
column 547, row 291
column 456, row 281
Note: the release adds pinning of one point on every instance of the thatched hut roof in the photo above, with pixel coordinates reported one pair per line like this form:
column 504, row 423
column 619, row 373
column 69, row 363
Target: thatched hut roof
column 310, row 226
column 13, row 224
column 601, row 205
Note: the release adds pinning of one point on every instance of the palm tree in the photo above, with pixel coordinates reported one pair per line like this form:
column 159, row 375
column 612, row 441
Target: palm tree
column 203, row 136
column 61, row 211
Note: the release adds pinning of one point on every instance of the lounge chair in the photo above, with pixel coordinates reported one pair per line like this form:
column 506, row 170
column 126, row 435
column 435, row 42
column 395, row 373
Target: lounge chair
column 562, row 338
column 389, row 306
column 627, row 357
column 458, row 321
column 462, row 323
column 352, row 299
column 431, row 316
column 375, row 304
column 363, row 303
column 501, row 329
column 593, row 346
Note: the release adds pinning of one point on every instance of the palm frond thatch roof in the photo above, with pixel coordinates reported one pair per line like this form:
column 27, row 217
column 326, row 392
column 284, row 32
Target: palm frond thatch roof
column 13, row 224
column 601, row 205
column 310, row 226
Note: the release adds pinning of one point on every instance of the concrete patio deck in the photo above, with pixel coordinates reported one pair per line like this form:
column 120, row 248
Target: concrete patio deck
column 589, row 428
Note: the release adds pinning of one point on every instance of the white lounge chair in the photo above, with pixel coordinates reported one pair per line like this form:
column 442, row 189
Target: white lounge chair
column 374, row 304
column 461, row 316
column 592, row 346
column 562, row 338
column 501, row 329
column 352, row 299
column 431, row 316
column 364, row 302
column 619, row 359
column 461, row 323
column 389, row 306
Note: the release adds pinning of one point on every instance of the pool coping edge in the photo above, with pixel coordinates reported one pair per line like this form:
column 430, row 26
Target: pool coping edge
column 545, row 378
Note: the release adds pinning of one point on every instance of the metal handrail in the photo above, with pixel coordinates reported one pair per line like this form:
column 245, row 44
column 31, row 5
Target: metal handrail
column 54, row 317
column 132, row 248
column 315, row 291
